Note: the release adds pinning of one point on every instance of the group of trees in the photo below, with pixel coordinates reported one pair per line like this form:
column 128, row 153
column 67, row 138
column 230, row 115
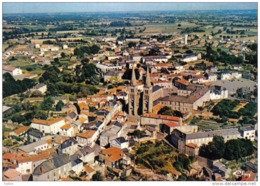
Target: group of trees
column 168, row 111
column 224, row 109
column 182, row 162
column 221, row 56
column 71, row 82
column 233, row 149
column 120, row 24
column 192, row 29
column 81, row 51
column 12, row 86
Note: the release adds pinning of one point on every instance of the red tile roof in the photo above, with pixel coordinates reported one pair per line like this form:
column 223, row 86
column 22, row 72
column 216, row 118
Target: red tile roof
column 9, row 156
column 21, row 130
column 192, row 145
column 172, row 124
column 11, row 173
column 113, row 154
column 46, row 122
column 88, row 169
column 248, row 176
column 156, row 116
column 87, row 134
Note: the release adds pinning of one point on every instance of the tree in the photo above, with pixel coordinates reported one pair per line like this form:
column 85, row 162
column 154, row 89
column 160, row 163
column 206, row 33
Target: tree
column 47, row 103
column 63, row 55
column 59, row 105
column 214, row 150
column 131, row 44
column 179, row 25
column 97, row 176
column 237, row 148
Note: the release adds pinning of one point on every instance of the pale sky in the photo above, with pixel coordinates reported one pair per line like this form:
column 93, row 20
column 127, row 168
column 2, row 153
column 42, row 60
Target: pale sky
column 125, row 7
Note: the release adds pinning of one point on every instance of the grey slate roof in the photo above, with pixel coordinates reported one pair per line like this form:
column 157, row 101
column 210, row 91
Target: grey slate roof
column 30, row 147
column 75, row 159
column 222, row 132
column 69, row 142
column 155, row 88
column 52, row 164
column 35, row 133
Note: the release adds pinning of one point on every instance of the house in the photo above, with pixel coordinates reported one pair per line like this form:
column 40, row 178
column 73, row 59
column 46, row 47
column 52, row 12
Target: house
column 86, row 138
column 20, row 131
column 40, row 87
column 35, row 135
column 169, row 126
column 64, row 47
column 89, row 171
column 34, row 148
column 89, row 153
column 192, row 149
column 53, row 169
column 120, row 142
column 218, row 92
column 69, row 146
column 113, row 76
column 12, row 175
column 250, row 166
column 26, row 164
column 248, row 132
column 189, row 58
column 12, row 70
column 112, row 157
column 180, row 138
column 48, row 126
column 249, row 176
column 110, row 133
column 221, row 169
column 67, row 130
column 76, row 164
column 230, row 75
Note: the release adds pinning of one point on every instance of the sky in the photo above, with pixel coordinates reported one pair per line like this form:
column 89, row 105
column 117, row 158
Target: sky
column 112, row 7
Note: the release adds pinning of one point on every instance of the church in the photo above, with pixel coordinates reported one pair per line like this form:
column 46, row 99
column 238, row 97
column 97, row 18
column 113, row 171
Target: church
column 143, row 96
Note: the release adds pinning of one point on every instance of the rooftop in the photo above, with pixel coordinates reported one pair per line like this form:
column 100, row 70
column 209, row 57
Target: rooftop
column 46, row 122
column 87, row 134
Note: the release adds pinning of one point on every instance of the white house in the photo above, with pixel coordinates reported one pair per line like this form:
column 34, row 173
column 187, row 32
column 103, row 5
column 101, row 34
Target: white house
column 37, row 46
column 52, row 126
column 67, row 130
column 218, row 92
column 86, row 138
column 231, row 75
column 137, row 58
column 119, row 143
column 189, row 58
column 69, row 146
column 34, row 148
column 26, row 164
column 247, row 133
column 40, row 87
column 65, row 47
column 12, row 70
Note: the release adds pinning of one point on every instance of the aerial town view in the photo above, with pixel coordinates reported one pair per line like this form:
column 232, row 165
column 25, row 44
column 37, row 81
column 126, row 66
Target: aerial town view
column 129, row 92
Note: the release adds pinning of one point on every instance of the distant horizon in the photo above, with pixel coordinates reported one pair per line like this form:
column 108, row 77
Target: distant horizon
column 124, row 11
column 105, row 7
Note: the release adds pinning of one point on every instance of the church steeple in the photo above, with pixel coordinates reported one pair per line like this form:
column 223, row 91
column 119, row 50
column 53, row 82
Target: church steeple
column 133, row 80
column 148, row 81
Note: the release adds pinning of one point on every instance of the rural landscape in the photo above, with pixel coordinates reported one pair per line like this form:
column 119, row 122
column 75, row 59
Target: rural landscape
column 130, row 96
